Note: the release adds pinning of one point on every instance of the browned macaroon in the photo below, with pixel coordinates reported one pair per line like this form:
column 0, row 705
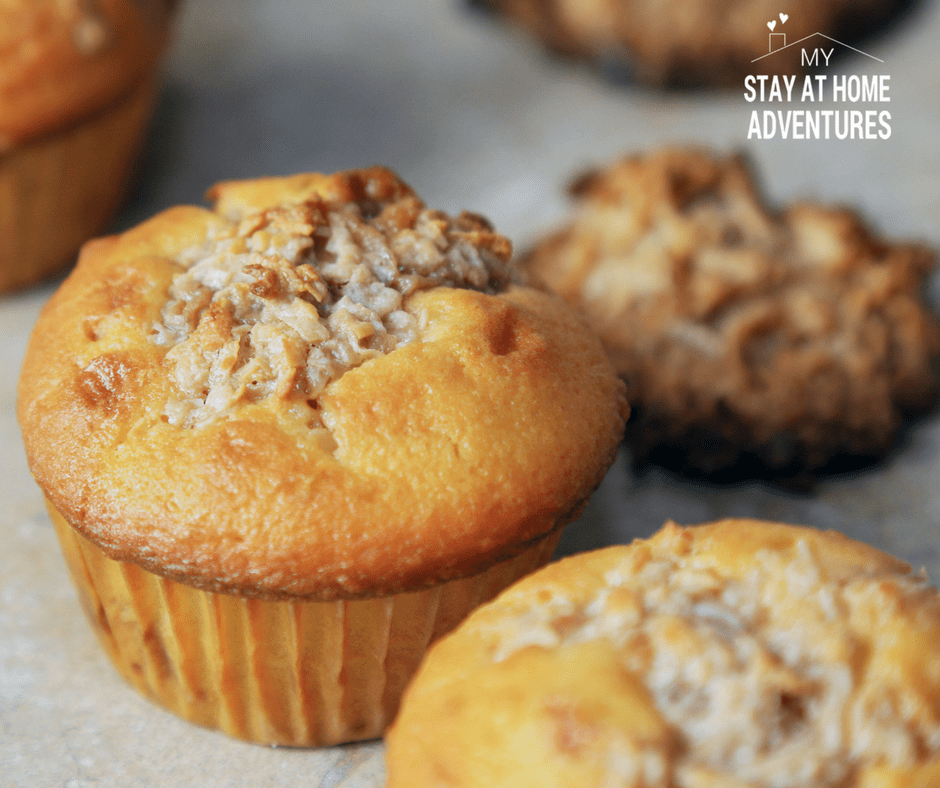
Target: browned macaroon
column 77, row 84
column 749, row 338
column 288, row 442
column 694, row 43
column 739, row 653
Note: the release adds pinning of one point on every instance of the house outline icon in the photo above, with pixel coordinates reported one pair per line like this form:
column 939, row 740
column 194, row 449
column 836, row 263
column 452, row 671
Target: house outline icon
column 823, row 35
column 770, row 47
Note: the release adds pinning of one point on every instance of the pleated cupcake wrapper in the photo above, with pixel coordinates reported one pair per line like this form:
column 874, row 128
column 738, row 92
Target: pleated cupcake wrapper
column 60, row 190
column 273, row 672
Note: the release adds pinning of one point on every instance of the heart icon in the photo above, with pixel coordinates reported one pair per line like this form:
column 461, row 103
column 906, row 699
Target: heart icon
column 784, row 18
column 772, row 25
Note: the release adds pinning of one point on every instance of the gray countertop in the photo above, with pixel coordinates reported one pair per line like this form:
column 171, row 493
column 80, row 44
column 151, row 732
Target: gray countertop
column 474, row 117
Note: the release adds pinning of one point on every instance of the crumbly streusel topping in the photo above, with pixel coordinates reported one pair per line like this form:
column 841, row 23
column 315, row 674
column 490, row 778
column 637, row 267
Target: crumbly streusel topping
column 284, row 301
column 758, row 697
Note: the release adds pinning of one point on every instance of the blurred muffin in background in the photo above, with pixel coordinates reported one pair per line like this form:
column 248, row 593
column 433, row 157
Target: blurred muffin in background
column 694, row 43
column 77, row 84
column 749, row 339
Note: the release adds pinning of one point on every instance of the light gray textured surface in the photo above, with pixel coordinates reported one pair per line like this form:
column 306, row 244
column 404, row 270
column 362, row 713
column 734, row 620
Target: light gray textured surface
column 476, row 118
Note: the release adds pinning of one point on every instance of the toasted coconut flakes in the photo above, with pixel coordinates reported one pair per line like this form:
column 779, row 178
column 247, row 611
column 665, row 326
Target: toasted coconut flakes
column 758, row 695
column 284, row 301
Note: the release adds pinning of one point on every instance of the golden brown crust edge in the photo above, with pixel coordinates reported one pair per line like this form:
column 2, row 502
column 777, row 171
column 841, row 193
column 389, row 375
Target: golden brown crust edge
column 61, row 62
column 451, row 453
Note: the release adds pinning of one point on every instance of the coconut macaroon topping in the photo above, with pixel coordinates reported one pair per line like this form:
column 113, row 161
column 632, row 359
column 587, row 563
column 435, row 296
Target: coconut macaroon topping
column 772, row 679
column 281, row 302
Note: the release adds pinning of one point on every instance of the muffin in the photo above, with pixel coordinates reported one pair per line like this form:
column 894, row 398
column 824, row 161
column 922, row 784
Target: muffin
column 77, row 84
column 737, row 653
column 694, row 43
column 752, row 341
column 289, row 441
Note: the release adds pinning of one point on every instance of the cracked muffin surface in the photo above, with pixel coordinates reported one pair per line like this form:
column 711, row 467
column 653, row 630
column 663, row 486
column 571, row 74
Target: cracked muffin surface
column 739, row 653
column 284, row 301
column 745, row 335
column 320, row 388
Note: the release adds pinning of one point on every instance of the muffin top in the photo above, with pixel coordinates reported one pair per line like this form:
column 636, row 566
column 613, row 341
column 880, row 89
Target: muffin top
column 738, row 653
column 322, row 388
column 62, row 60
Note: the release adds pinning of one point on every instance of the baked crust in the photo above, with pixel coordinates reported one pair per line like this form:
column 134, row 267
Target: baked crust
column 426, row 463
column 737, row 653
column 61, row 62
column 780, row 339
column 695, row 43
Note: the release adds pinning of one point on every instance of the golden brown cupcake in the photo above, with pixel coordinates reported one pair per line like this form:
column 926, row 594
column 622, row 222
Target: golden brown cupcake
column 288, row 442
column 748, row 338
column 693, row 43
column 739, row 653
column 77, row 84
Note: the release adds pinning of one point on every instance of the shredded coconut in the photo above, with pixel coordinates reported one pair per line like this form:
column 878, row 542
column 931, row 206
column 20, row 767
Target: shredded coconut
column 760, row 696
column 284, row 301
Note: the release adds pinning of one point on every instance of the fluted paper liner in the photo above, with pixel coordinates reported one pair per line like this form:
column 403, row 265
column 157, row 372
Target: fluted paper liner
column 286, row 672
column 60, row 190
